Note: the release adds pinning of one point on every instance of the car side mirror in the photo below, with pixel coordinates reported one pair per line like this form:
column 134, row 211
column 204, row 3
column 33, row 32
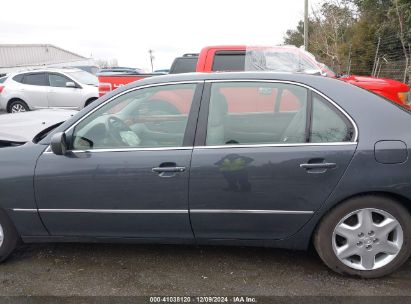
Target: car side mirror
column 71, row 84
column 59, row 143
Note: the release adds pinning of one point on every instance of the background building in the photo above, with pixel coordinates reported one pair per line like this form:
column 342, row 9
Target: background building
column 17, row 57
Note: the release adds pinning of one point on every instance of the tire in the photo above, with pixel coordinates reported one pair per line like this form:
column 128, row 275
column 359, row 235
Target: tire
column 10, row 237
column 17, row 106
column 371, row 252
column 89, row 101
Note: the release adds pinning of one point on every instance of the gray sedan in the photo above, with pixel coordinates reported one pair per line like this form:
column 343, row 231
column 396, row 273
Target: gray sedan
column 259, row 159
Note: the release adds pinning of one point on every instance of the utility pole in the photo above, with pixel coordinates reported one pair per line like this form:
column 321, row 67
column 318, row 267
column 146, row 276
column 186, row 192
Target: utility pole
column 306, row 25
column 151, row 59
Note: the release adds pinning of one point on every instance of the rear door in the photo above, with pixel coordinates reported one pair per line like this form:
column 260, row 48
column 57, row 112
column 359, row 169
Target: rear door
column 267, row 155
column 35, row 89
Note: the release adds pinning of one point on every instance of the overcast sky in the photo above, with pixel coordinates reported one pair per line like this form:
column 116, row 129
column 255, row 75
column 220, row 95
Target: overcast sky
column 127, row 29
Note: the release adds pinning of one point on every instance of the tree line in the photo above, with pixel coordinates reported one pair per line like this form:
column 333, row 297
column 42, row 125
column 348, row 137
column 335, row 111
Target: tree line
column 362, row 37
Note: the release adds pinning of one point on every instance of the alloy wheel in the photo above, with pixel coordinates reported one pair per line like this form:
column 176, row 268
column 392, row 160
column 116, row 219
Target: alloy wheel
column 18, row 108
column 367, row 239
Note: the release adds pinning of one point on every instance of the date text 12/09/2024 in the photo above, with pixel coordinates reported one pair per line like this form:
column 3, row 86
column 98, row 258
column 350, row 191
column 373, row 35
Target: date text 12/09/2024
column 204, row 299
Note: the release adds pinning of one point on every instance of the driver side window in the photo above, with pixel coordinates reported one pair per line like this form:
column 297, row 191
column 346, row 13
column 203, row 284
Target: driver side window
column 146, row 118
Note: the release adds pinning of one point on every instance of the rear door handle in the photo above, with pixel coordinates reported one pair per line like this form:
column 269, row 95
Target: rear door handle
column 168, row 169
column 318, row 166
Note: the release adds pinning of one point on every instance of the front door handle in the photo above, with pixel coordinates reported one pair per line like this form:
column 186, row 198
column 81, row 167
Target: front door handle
column 168, row 169
column 318, row 166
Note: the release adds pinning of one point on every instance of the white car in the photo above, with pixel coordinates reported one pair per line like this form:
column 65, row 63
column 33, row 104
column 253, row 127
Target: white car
column 19, row 128
column 48, row 88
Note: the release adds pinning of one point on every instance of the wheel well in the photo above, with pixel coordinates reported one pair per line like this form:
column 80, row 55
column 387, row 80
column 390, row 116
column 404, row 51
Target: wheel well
column 11, row 100
column 405, row 202
column 90, row 100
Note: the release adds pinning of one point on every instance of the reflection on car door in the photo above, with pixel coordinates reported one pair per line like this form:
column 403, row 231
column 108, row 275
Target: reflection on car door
column 131, row 181
column 255, row 172
column 61, row 96
column 35, row 88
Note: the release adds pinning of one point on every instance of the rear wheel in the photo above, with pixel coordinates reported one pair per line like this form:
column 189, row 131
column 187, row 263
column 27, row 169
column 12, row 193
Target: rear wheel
column 90, row 101
column 17, row 106
column 9, row 237
column 366, row 236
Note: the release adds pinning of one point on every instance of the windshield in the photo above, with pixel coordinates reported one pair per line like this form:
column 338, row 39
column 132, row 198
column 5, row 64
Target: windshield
column 45, row 132
column 279, row 59
column 84, row 77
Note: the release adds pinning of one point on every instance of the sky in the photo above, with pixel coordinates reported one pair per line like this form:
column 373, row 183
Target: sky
column 125, row 30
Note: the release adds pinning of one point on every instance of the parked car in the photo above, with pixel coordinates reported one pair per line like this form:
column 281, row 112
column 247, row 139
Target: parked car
column 162, row 71
column 306, row 162
column 48, row 88
column 184, row 64
column 118, row 70
column 277, row 59
column 23, row 127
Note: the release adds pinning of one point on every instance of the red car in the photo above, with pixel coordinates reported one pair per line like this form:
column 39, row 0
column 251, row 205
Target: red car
column 280, row 58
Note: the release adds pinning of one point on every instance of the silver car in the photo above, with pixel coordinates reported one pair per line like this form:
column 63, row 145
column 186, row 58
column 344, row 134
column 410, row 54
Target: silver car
column 48, row 88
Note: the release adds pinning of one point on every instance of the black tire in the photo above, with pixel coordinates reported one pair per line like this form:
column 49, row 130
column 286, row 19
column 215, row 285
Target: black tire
column 90, row 101
column 11, row 237
column 323, row 237
column 19, row 104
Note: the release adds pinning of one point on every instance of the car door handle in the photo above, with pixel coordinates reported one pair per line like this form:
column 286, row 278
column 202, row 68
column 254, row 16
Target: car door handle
column 319, row 166
column 168, row 169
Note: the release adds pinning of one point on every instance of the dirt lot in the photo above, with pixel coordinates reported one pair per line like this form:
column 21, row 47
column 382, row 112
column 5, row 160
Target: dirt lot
column 100, row 269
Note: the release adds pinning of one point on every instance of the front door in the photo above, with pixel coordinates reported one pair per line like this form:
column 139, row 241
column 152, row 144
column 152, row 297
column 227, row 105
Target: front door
column 269, row 155
column 127, row 172
column 61, row 96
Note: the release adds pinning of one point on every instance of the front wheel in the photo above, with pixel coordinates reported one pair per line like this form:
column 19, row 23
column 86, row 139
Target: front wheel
column 9, row 238
column 366, row 236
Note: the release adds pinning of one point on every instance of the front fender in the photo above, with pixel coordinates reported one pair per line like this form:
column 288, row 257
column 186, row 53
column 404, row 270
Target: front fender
column 17, row 190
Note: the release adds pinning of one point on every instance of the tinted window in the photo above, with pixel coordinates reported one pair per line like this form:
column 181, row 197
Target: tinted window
column 184, row 65
column 57, row 80
column 256, row 113
column 229, row 61
column 3, row 79
column 145, row 118
column 84, row 77
column 38, row 79
column 328, row 124
column 18, row 78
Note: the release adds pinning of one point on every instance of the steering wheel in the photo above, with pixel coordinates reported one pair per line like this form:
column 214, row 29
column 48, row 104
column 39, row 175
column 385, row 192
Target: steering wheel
column 114, row 127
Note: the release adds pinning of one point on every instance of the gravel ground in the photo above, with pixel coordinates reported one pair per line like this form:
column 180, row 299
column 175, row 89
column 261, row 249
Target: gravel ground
column 129, row 270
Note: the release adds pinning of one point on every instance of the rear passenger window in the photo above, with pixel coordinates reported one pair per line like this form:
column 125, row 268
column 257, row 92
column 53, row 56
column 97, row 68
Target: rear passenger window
column 328, row 124
column 38, row 79
column 18, row 78
column 256, row 113
column 229, row 61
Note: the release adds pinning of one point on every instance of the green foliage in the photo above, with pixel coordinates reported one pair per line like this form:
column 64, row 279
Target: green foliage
column 344, row 33
column 295, row 37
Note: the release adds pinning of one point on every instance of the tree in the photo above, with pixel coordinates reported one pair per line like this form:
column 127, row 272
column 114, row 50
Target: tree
column 295, row 37
column 345, row 35
column 330, row 29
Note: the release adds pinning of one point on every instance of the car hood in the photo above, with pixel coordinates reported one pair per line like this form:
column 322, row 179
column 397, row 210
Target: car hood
column 376, row 83
column 23, row 127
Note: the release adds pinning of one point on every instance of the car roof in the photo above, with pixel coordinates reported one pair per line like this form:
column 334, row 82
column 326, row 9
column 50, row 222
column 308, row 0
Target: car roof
column 42, row 70
column 282, row 76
